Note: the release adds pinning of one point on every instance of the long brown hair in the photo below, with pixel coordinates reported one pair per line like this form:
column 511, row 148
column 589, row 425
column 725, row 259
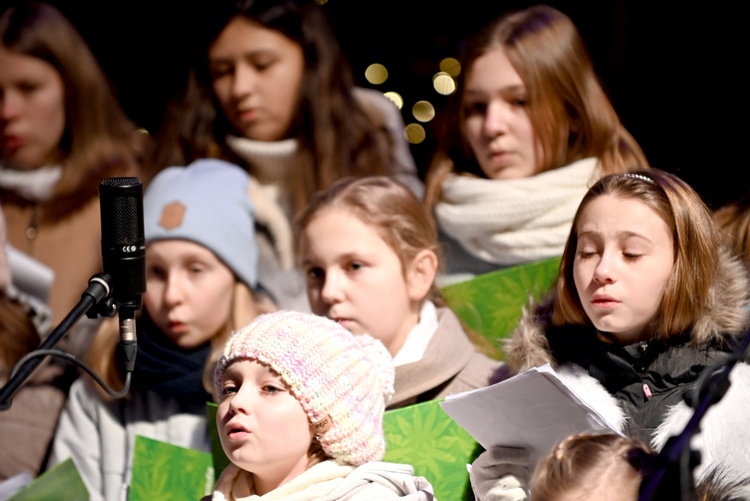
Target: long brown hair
column 696, row 255
column 568, row 109
column 336, row 135
column 98, row 141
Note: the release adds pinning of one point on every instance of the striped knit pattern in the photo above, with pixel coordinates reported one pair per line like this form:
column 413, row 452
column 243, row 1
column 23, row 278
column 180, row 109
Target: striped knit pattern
column 332, row 373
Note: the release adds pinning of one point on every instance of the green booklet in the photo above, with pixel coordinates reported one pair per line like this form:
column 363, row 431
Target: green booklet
column 62, row 481
column 164, row 471
column 424, row 436
column 491, row 304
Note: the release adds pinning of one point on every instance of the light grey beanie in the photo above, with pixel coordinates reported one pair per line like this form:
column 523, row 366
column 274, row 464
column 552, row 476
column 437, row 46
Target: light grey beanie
column 206, row 203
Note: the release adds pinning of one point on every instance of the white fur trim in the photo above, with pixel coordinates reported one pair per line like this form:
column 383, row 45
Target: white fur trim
column 593, row 393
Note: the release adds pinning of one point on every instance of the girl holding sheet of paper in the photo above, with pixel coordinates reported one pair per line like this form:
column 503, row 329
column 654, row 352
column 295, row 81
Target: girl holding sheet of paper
column 645, row 300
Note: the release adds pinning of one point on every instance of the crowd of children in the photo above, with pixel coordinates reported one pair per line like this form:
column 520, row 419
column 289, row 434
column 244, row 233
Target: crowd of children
column 294, row 265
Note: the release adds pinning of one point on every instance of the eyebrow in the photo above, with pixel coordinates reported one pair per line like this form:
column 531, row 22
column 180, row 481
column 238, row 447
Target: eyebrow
column 504, row 90
column 620, row 235
column 245, row 55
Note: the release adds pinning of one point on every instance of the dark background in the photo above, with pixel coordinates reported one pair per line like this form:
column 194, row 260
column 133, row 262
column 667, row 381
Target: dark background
column 673, row 70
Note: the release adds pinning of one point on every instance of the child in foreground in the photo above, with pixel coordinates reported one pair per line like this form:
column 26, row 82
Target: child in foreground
column 301, row 404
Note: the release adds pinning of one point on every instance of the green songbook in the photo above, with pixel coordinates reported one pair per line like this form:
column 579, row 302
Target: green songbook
column 164, row 471
column 59, row 482
column 491, row 304
column 424, row 436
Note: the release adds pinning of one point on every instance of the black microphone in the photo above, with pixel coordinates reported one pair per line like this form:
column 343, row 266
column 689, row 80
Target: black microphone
column 124, row 248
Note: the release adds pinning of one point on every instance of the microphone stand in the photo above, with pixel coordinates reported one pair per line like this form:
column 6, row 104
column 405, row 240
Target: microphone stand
column 672, row 477
column 95, row 301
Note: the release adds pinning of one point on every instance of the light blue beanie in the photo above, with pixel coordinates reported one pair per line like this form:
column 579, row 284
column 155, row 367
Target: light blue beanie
column 206, row 203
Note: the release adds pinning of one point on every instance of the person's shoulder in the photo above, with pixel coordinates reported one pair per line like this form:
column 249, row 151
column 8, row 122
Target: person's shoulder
column 374, row 102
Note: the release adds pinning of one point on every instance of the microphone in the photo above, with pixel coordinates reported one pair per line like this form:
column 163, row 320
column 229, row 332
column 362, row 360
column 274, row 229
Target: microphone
column 124, row 251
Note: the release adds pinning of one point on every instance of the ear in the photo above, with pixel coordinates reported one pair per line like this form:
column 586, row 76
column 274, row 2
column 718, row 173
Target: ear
column 420, row 274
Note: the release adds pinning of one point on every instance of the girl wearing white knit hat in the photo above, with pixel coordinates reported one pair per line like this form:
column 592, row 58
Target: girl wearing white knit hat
column 301, row 404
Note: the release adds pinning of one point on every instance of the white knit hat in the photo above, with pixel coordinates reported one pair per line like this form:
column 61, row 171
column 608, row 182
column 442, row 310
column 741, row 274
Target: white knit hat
column 343, row 381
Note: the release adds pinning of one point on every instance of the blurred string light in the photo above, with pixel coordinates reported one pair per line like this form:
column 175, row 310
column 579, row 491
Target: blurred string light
column 414, row 133
column 396, row 98
column 443, row 83
column 423, row 111
column 376, row 74
column 451, row 66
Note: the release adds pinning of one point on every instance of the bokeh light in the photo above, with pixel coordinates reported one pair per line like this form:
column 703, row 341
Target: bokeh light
column 444, row 83
column 376, row 74
column 414, row 133
column 451, row 66
column 396, row 98
column 423, row 111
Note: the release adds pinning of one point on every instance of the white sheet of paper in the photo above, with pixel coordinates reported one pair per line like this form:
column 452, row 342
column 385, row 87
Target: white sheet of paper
column 534, row 409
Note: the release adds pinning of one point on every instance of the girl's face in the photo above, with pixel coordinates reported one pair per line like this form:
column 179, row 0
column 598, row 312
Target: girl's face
column 497, row 124
column 355, row 278
column 189, row 291
column 32, row 111
column 623, row 260
column 262, row 426
column 257, row 74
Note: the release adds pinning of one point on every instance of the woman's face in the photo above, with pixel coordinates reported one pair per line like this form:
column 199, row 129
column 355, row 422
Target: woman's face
column 32, row 111
column 623, row 260
column 257, row 74
column 496, row 123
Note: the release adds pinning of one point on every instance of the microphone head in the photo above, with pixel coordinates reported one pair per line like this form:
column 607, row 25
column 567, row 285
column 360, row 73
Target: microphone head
column 123, row 239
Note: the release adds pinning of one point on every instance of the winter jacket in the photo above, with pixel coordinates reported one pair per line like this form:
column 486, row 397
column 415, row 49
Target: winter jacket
column 330, row 481
column 640, row 387
column 451, row 364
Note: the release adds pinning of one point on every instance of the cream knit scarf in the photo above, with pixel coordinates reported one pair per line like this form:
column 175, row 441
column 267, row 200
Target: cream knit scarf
column 514, row 221
column 235, row 484
column 36, row 185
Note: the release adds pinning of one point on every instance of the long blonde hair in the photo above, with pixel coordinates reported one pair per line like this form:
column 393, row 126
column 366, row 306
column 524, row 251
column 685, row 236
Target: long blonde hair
column 696, row 255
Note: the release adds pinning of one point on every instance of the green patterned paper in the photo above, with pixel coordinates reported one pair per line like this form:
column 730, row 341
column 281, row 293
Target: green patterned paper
column 491, row 304
column 424, row 436
column 167, row 472
column 60, row 482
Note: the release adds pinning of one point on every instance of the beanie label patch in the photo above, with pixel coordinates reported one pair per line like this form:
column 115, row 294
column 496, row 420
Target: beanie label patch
column 172, row 215
column 322, row 425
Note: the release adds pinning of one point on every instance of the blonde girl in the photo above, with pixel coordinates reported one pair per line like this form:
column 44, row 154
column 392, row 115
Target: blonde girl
column 200, row 276
column 369, row 252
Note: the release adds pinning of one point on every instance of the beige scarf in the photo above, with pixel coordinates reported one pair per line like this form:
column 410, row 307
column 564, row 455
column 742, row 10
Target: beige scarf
column 514, row 221
column 236, row 484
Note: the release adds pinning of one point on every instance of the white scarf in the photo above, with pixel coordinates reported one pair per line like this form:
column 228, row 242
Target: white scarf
column 514, row 221
column 37, row 185
column 237, row 484
column 271, row 161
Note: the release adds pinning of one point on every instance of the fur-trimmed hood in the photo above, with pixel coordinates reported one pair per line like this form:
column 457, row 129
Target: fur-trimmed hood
column 725, row 313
